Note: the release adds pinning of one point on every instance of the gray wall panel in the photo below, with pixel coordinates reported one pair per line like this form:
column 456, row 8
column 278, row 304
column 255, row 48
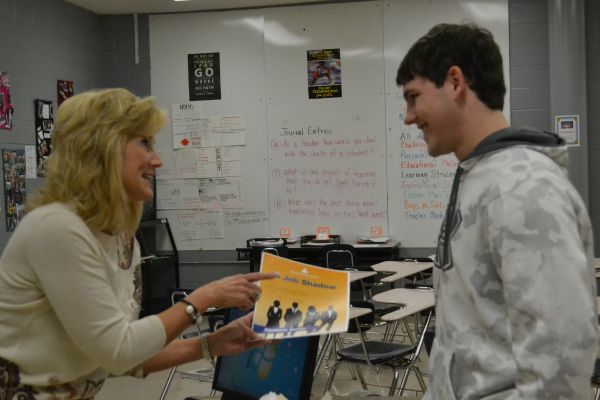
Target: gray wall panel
column 120, row 69
column 528, row 11
column 40, row 42
column 533, row 97
column 529, row 76
column 529, row 63
column 535, row 118
column 592, row 33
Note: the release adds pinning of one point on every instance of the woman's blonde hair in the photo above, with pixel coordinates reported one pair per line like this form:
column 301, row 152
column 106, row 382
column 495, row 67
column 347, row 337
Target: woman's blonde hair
column 84, row 169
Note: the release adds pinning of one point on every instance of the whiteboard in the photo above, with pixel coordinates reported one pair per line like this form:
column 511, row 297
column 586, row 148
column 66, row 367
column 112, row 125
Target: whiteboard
column 347, row 162
column 238, row 37
column 418, row 185
column 326, row 156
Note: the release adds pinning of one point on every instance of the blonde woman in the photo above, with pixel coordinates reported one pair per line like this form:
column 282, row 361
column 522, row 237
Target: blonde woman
column 70, row 283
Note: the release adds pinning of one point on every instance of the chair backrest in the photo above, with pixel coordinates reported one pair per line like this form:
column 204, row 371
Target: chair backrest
column 281, row 251
column 339, row 256
column 178, row 294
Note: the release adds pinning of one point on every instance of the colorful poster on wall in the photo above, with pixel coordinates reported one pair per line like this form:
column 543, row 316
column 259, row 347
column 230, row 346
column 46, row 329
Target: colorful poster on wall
column 64, row 90
column 324, row 69
column 15, row 195
column 6, row 107
column 44, row 123
column 204, row 74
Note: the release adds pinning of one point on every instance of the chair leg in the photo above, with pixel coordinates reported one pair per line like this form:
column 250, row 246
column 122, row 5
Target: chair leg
column 321, row 356
column 597, row 397
column 340, row 343
column 361, row 377
column 408, row 331
column 404, row 380
column 394, row 381
column 420, row 379
column 386, row 333
column 329, row 382
column 163, row 394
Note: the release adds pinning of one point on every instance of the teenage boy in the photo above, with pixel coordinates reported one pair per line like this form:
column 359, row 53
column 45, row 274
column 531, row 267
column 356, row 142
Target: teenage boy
column 515, row 286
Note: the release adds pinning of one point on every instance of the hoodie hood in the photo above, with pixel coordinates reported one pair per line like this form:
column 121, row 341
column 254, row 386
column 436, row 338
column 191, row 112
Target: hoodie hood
column 547, row 143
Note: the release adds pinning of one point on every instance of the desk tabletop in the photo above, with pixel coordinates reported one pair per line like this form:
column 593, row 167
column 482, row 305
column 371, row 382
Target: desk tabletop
column 413, row 300
column 401, row 269
column 356, row 312
column 358, row 275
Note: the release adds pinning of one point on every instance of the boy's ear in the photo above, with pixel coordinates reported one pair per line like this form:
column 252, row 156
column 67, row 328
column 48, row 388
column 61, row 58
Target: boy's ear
column 455, row 76
column 456, row 79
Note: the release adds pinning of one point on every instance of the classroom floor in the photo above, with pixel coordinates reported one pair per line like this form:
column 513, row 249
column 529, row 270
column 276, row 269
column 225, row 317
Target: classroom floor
column 126, row 388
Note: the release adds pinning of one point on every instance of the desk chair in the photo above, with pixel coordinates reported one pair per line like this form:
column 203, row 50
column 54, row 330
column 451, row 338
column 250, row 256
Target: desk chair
column 256, row 250
column 281, row 251
column 215, row 321
column 397, row 356
column 364, row 317
column 344, row 257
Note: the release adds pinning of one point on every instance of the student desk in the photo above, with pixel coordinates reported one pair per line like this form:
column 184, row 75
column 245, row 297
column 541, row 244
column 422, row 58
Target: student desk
column 401, row 269
column 311, row 254
column 413, row 300
column 359, row 275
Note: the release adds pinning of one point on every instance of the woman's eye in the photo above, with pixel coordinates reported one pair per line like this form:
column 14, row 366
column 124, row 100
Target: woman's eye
column 146, row 143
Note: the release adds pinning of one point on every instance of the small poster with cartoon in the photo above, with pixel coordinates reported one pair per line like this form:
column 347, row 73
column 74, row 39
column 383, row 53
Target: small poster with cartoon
column 303, row 301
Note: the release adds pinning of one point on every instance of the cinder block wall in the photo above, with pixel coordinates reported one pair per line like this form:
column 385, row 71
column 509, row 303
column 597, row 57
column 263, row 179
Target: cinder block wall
column 41, row 42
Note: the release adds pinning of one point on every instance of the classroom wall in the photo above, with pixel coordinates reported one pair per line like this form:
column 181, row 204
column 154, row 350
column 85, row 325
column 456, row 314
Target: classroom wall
column 529, row 63
column 592, row 15
column 97, row 51
column 118, row 55
column 41, row 42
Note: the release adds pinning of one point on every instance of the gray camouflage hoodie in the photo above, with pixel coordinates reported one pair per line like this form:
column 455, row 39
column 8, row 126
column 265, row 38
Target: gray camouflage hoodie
column 515, row 286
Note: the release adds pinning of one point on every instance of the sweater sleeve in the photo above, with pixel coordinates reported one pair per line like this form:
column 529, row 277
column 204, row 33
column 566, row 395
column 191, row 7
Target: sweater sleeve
column 538, row 233
column 66, row 259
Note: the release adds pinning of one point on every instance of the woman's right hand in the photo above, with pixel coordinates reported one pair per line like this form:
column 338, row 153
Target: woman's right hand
column 233, row 291
column 235, row 337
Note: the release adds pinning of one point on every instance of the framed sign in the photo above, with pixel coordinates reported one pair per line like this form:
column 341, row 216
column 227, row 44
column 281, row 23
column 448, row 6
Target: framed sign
column 204, row 75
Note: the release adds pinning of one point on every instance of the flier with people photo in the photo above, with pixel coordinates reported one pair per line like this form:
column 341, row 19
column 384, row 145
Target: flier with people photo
column 305, row 300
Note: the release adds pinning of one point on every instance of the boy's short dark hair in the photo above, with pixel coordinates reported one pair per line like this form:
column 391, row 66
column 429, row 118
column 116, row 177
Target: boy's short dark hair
column 467, row 46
